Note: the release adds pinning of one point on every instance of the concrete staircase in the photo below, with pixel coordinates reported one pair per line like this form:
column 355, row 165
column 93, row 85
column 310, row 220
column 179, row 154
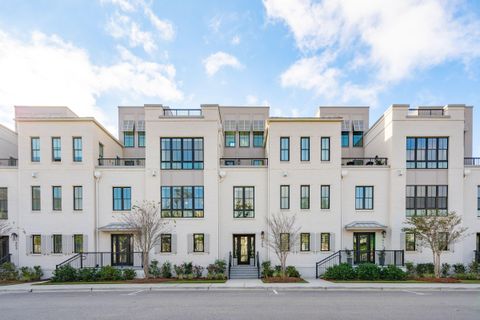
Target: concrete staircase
column 243, row 272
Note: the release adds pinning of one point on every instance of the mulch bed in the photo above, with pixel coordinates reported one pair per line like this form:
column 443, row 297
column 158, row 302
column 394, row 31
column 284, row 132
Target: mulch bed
column 283, row 280
column 161, row 280
column 439, row 280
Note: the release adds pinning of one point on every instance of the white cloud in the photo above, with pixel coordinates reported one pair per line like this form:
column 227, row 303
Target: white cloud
column 124, row 5
column 121, row 26
column 235, row 40
column 165, row 28
column 46, row 70
column 251, row 100
column 215, row 23
column 216, row 61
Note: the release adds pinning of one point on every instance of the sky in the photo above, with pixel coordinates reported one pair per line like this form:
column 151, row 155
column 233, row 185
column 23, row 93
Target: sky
column 93, row 55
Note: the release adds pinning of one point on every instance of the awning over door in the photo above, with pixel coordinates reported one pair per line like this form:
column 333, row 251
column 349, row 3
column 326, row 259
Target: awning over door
column 365, row 225
column 115, row 226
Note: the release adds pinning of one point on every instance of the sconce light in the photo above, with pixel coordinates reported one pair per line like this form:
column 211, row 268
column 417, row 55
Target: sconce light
column 262, row 235
column 14, row 236
column 154, row 173
column 384, row 233
column 285, row 174
column 34, row 175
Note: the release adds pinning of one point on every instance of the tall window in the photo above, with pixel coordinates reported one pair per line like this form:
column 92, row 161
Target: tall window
column 182, row 153
column 284, row 197
column 305, row 197
column 244, row 202
column 284, row 242
column 198, row 242
column 57, row 198
column 258, row 139
column 357, row 138
column 57, row 243
column 129, row 139
column 305, row 148
column 166, row 242
column 36, row 204
column 141, row 139
column 426, row 200
column 77, row 198
column 244, row 138
column 410, row 244
column 77, row 149
column 324, row 241
column 364, row 198
column 78, row 243
column 122, row 198
column 284, row 149
column 325, row 197
column 325, row 149
column 427, row 153
column 3, row 203
column 182, row 202
column 36, row 244
column 478, row 201
column 345, row 139
column 56, row 149
column 35, row 149
column 100, row 150
column 230, row 139
column 304, row 241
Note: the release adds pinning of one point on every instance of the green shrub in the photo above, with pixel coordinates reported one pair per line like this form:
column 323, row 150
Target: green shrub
column 31, row 274
column 393, row 273
column 343, row 271
column 8, row 272
column 197, row 271
column 277, row 271
column 474, row 267
column 153, row 269
column 410, row 268
column 221, row 266
column 188, row 267
column 425, row 268
column 445, row 270
column 179, row 271
column 65, row 273
column 459, row 268
column 368, row 271
column 87, row 274
column 166, row 271
column 267, row 270
column 109, row 273
column 291, row 271
column 467, row 276
column 128, row 274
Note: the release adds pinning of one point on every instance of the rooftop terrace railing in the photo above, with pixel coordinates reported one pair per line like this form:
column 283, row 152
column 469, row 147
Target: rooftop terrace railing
column 11, row 162
column 374, row 162
column 475, row 162
column 121, row 162
column 182, row 112
column 426, row 112
column 244, row 162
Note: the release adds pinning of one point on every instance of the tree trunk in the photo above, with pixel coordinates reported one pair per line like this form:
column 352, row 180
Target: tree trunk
column 145, row 263
column 436, row 263
column 283, row 262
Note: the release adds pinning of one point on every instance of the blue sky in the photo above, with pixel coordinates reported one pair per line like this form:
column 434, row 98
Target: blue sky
column 290, row 55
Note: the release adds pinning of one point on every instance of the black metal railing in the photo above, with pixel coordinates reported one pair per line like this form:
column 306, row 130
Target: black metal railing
column 121, row 162
column 229, row 263
column 5, row 259
column 476, row 254
column 365, row 161
column 10, row 162
column 426, row 112
column 354, row 257
column 471, row 161
column 244, row 162
column 182, row 112
column 257, row 262
column 101, row 259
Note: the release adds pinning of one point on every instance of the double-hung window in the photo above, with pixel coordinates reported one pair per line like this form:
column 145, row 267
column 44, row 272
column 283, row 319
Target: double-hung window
column 357, row 138
column 325, row 144
column 410, row 241
column 78, row 243
column 56, row 149
column 229, row 139
column 182, row 202
column 122, row 198
column 3, row 203
column 244, row 139
column 181, row 153
column 141, row 139
column 57, row 243
column 426, row 200
column 57, row 198
column 325, row 197
column 258, row 139
column 284, row 197
column 284, row 242
column 284, row 149
column 427, row 152
column 129, row 139
column 345, row 139
column 77, row 198
column 244, row 202
column 364, row 197
column 100, row 150
column 36, row 200
column 198, row 242
column 478, row 201
column 36, row 244
column 35, row 149
column 77, row 149
column 324, row 241
column 166, row 242
column 304, row 241
column 305, row 148
column 305, row 197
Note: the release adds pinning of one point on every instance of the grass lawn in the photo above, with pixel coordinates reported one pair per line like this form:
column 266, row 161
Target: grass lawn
column 281, row 280
column 400, row 281
column 134, row 282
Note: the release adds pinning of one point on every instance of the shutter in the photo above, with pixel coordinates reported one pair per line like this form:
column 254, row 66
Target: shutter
column 230, row 125
column 346, row 126
column 402, row 240
column 258, row 125
column 28, row 243
column 85, row 243
column 317, row 241
column 174, row 243
column 44, row 244
column 67, row 244
column 128, row 125
column 141, row 125
column 50, row 244
column 189, row 243
column 206, row 243
column 332, row 242
column 313, row 244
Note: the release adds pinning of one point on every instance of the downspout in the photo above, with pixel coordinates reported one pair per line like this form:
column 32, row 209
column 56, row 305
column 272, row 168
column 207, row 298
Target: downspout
column 97, row 176
column 341, row 209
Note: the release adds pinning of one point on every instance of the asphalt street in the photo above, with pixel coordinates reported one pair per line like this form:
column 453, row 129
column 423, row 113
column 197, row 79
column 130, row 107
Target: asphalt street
column 242, row 304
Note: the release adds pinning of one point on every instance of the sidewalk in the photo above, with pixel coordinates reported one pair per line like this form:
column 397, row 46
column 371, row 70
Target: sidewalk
column 247, row 284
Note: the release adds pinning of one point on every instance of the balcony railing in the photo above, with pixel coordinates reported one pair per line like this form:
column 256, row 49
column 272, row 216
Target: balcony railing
column 472, row 162
column 243, row 162
column 365, row 161
column 100, row 259
column 426, row 112
column 182, row 112
column 121, row 162
column 11, row 162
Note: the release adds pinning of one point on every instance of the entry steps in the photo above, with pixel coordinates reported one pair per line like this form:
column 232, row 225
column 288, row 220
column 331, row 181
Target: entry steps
column 243, row 272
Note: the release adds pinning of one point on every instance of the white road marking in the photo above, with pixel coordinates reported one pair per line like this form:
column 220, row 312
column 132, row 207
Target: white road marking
column 135, row 293
column 417, row 293
column 274, row 291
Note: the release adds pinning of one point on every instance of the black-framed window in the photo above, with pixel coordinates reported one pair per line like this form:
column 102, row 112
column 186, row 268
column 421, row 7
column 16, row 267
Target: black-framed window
column 424, row 200
column 284, row 197
column 36, row 244
column 304, row 197
column 57, row 198
column 357, row 139
column 77, row 243
column 284, row 242
column 122, row 198
column 345, row 139
column 141, row 139
column 182, row 201
column 410, row 241
column 35, row 149
column 77, row 198
column 284, row 148
column 230, row 139
column 166, row 242
column 364, row 197
column 325, row 147
column 324, row 241
column 36, row 198
column 3, row 203
column 77, row 149
column 100, row 150
column 244, row 202
column 129, row 139
column 57, row 243
column 427, row 152
column 198, row 242
column 304, row 241
column 258, row 139
column 56, row 149
column 478, row 201
column 325, row 197
column 181, row 153
column 305, row 149
column 244, row 139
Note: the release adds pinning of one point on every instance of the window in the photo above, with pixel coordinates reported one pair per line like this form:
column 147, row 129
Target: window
column 56, row 198
column 410, row 244
column 3, row 203
column 364, row 198
column 129, row 139
column 77, row 243
column 443, row 241
column 284, row 242
column 56, row 149
column 244, row 139
column 324, row 241
column 305, row 148
column 284, row 149
column 426, row 200
column 36, row 244
column 478, row 201
column 198, row 242
column 57, row 243
column 36, row 205
column 182, row 202
column 305, row 197
column 230, row 139
column 304, row 241
column 427, row 153
column 77, row 149
column 258, row 139
column 77, row 198
column 166, row 242
column 244, row 202
column 325, row 149
column 141, row 139
column 100, row 150
column 285, row 197
column 345, row 139
column 358, row 138
column 324, row 197
column 35, row 149
column 181, row 153
column 122, row 198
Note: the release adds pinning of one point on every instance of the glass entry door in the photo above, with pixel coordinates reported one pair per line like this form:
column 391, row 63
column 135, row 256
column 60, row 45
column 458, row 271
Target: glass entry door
column 243, row 247
column 4, row 247
column 364, row 247
column 122, row 250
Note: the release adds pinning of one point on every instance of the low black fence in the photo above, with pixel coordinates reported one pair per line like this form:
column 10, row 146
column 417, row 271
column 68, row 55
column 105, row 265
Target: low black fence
column 365, row 161
column 121, row 162
column 101, row 259
column 10, row 162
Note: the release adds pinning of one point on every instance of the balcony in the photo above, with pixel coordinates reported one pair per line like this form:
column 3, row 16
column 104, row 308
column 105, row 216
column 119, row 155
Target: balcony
column 360, row 162
column 471, row 162
column 11, row 162
column 426, row 112
column 182, row 113
column 121, row 162
column 243, row 162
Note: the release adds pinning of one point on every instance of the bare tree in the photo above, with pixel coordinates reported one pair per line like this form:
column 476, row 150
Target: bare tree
column 282, row 236
column 436, row 232
column 147, row 224
column 4, row 227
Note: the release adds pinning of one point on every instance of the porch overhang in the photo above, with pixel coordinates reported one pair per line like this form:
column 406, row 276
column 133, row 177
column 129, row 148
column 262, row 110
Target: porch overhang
column 365, row 225
column 115, row 227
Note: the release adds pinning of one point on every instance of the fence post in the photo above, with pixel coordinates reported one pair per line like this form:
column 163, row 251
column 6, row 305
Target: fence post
column 81, row 260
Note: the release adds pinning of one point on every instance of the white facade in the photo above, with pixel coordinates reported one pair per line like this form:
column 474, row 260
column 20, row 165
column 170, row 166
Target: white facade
column 377, row 164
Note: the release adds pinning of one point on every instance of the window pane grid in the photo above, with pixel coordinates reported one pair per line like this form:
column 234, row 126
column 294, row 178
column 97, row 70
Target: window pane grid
column 56, row 149
column 243, row 202
column 122, row 198
column 305, row 148
column 305, row 242
column 77, row 149
column 325, row 197
column 182, row 202
column 305, row 197
column 284, row 149
column 285, row 197
column 181, row 153
column 325, row 156
column 78, row 198
column 35, row 149
column 364, row 198
column 57, row 197
column 426, row 200
column 427, row 153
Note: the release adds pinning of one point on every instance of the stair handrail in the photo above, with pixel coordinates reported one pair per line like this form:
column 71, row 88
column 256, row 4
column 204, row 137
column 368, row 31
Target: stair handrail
column 325, row 260
column 258, row 264
column 6, row 258
column 229, row 263
column 69, row 260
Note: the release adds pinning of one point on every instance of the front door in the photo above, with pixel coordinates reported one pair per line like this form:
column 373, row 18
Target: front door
column 243, row 247
column 364, row 247
column 3, row 247
column 122, row 253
